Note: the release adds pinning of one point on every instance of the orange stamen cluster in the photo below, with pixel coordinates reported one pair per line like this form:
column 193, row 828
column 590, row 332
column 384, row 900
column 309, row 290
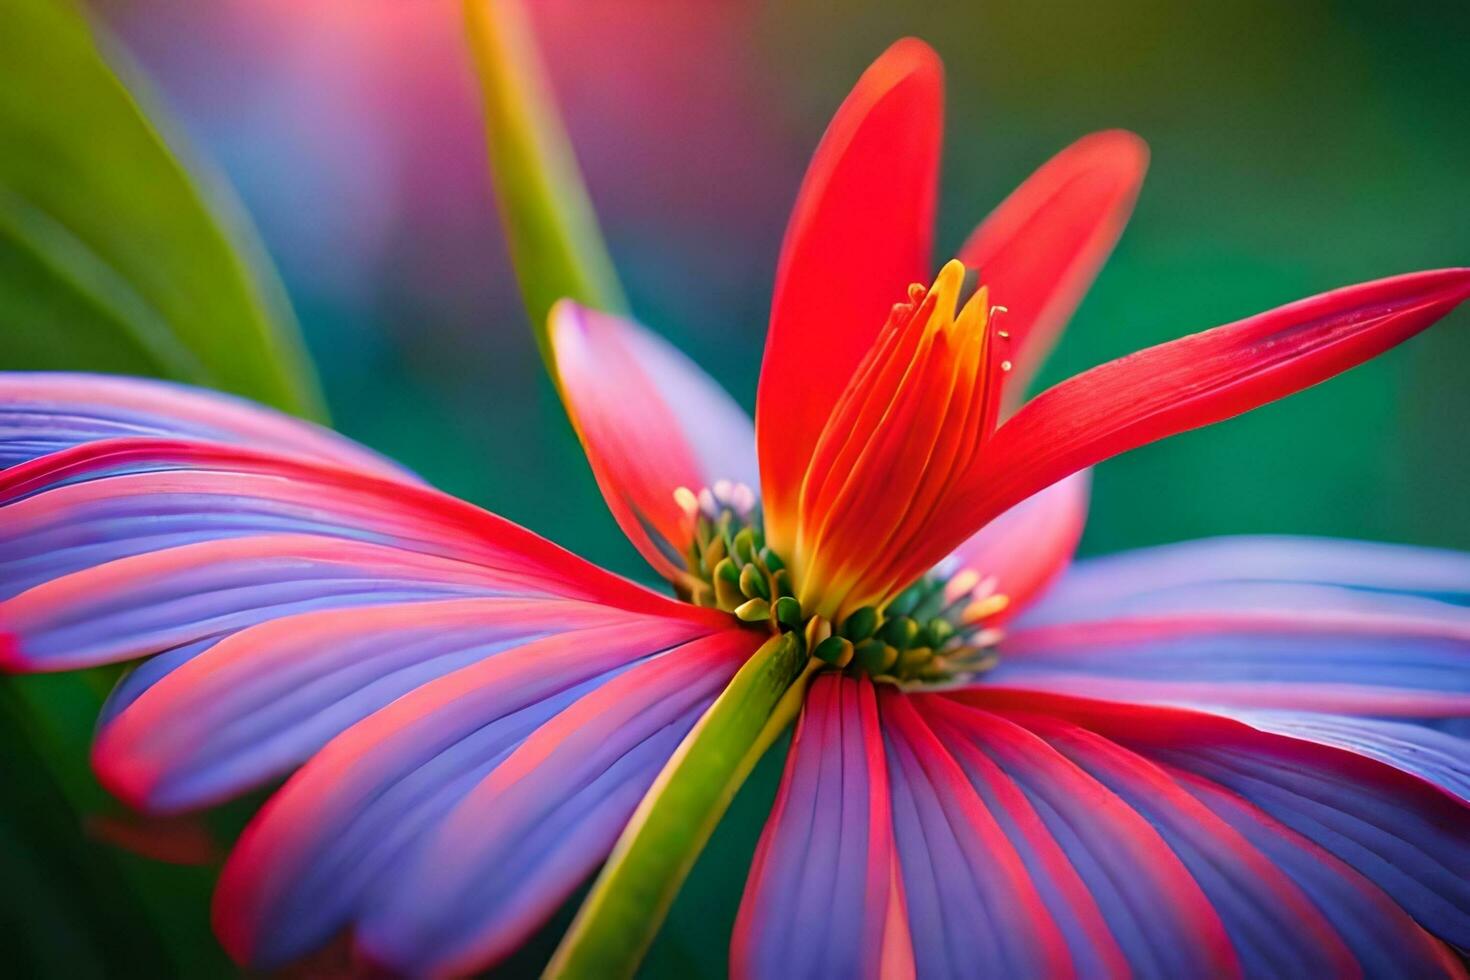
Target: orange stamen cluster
column 914, row 415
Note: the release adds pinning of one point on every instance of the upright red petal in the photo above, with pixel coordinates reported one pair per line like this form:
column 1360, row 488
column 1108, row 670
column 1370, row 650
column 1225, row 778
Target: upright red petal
column 860, row 233
column 1040, row 250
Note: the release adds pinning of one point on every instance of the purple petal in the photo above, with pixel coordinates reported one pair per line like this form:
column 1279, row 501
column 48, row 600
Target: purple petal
column 827, row 852
column 43, row 412
column 326, row 847
column 513, row 848
column 1098, row 587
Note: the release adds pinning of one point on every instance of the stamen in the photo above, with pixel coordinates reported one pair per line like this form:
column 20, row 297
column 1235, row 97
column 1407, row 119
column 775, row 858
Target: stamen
column 985, row 608
column 687, row 501
column 730, row 565
column 963, row 583
column 936, row 632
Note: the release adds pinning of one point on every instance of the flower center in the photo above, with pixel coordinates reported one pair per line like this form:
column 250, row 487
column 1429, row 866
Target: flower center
column 935, row 632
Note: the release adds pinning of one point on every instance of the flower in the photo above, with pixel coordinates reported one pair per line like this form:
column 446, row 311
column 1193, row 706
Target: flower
column 1232, row 756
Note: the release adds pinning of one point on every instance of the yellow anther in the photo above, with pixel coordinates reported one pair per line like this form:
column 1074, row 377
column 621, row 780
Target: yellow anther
column 963, row 582
column 982, row 609
column 687, row 501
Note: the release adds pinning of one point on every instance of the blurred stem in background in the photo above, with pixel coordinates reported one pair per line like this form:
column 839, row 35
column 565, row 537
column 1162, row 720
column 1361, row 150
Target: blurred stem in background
column 554, row 239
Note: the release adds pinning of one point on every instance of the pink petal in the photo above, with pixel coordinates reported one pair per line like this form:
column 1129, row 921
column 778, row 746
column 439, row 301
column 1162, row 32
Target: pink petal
column 1025, row 548
column 43, row 412
column 651, row 421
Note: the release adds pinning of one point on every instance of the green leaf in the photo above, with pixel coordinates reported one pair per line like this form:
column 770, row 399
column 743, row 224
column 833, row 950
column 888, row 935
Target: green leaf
column 628, row 902
column 113, row 255
column 555, row 243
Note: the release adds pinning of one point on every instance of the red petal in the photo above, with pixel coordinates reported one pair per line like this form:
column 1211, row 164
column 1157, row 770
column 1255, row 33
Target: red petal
column 861, row 231
column 912, row 418
column 1182, row 385
column 1040, row 250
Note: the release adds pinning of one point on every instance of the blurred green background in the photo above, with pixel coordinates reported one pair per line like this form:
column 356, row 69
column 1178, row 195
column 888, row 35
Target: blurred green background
column 1296, row 147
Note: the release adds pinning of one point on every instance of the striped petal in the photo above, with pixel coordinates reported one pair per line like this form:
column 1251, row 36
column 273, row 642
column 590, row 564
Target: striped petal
column 860, row 233
column 252, row 706
column 1402, row 833
column 1271, row 624
column 1090, row 942
column 1091, row 856
column 286, row 599
column 42, row 412
column 1384, row 940
column 135, row 606
column 75, row 511
column 1041, row 248
column 651, row 421
column 973, row 905
column 827, row 853
column 450, row 824
column 1410, row 843
column 1434, row 756
column 1171, row 388
column 1275, row 929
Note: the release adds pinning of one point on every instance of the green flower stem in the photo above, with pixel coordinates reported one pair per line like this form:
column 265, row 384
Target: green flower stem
column 628, row 902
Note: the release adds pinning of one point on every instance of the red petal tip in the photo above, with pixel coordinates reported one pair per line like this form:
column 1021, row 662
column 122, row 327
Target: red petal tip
column 1434, row 292
column 1127, row 145
column 910, row 54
